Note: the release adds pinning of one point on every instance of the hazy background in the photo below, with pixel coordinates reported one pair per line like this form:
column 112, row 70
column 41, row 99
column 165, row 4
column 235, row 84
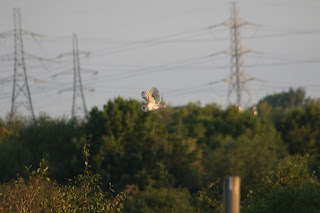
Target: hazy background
column 135, row 45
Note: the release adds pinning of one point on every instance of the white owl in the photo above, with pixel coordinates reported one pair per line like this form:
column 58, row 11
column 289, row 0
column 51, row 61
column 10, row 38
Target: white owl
column 153, row 99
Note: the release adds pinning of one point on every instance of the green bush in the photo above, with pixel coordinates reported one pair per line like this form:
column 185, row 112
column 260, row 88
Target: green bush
column 82, row 194
column 288, row 187
column 160, row 200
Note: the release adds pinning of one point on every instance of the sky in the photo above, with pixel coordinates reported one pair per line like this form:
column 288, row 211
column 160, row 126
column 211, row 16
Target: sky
column 174, row 45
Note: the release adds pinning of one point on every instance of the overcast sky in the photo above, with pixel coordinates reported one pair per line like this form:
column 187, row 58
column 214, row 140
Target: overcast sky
column 170, row 44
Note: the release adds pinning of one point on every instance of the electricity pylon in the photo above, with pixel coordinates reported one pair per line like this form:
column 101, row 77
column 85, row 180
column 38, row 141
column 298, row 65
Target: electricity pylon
column 21, row 95
column 238, row 77
column 79, row 108
column 77, row 105
column 20, row 79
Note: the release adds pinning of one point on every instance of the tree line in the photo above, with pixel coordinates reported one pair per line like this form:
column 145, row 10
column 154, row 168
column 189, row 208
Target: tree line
column 169, row 160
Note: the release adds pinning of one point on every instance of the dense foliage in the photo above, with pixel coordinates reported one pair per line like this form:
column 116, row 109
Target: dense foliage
column 169, row 160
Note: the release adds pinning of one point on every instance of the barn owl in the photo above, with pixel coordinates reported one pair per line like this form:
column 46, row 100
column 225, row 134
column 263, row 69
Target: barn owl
column 153, row 99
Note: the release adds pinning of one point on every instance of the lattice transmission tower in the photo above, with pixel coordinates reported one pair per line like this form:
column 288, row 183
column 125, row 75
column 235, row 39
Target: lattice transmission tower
column 238, row 77
column 20, row 78
column 79, row 108
column 21, row 95
column 78, row 101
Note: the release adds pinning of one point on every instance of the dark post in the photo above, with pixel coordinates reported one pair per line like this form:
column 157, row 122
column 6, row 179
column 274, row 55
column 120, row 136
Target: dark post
column 231, row 194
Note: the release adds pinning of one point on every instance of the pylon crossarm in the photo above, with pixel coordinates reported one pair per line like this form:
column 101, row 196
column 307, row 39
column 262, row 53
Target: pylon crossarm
column 64, row 54
column 94, row 72
column 6, row 34
column 31, row 57
column 35, row 80
column 7, row 57
column 33, row 35
column 64, row 90
column 85, row 53
column 65, row 72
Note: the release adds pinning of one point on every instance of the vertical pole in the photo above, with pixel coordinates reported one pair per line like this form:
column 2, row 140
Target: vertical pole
column 231, row 194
